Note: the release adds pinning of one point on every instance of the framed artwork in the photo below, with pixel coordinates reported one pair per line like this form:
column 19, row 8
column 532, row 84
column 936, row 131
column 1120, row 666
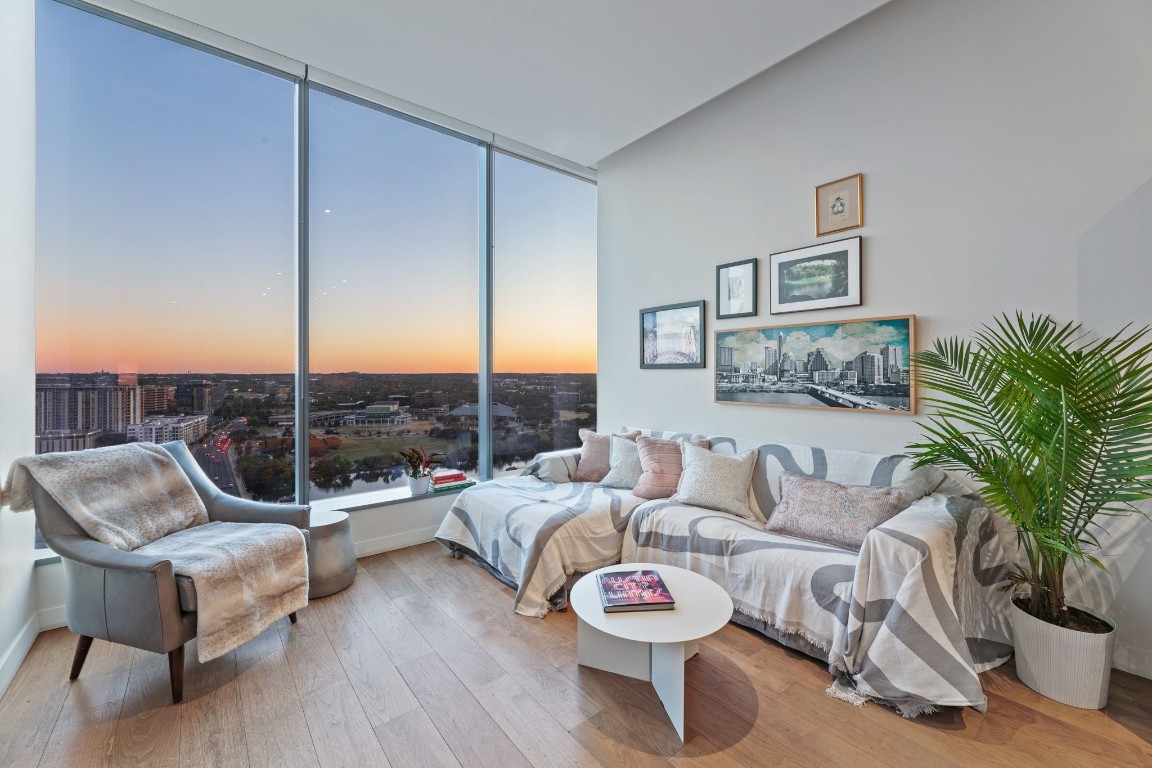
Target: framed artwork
column 672, row 336
column 817, row 277
column 736, row 289
column 840, row 205
column 849, row 364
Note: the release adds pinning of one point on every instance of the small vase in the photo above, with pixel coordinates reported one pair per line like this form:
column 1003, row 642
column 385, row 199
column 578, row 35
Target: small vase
column 418, row 485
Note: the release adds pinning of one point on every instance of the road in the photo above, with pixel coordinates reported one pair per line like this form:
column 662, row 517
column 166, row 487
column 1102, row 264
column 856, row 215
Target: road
column 220, row 465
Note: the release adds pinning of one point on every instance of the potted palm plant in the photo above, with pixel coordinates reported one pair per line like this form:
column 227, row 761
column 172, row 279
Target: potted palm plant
column 1057, row 426
column 419, row 464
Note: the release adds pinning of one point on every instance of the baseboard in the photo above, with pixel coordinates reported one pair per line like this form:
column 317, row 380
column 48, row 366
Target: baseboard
column 395, row 541
column 52, row 618
column 14, row 656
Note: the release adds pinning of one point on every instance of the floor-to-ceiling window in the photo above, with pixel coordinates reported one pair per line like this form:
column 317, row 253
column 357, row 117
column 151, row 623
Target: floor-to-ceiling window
column 544, row 310
column 169, row 299
column 166, row 250
column 394, row 244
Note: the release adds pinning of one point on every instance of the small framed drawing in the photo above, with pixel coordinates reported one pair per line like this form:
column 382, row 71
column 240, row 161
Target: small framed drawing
column 672, row 336
column 736, row 289
column 840, row 205
column 817, row 277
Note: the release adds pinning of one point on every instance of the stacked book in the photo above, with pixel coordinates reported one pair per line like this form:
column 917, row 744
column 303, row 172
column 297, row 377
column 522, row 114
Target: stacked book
column 444, row 480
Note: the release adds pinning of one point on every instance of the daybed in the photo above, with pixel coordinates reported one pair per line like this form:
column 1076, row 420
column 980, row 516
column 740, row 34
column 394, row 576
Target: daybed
column 908, row 620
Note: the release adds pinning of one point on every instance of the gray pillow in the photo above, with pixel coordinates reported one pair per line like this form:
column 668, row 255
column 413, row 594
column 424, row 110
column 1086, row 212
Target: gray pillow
column 624, row 468
column 716, row 481
column 840, row 515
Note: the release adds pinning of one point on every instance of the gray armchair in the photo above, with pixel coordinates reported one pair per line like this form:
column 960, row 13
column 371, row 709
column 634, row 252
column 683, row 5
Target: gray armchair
column 135, row 599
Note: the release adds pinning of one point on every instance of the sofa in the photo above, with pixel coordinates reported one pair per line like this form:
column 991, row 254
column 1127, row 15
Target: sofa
column 909, row 620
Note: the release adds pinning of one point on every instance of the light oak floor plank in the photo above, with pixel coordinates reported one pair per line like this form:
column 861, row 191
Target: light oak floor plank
column 412, row 741
column 422, row 662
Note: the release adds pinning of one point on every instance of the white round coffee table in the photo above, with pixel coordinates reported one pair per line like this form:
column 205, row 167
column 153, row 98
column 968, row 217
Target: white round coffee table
column 650, row 645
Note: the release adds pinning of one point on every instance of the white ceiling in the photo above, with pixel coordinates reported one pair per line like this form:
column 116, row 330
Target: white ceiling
column 577, row 78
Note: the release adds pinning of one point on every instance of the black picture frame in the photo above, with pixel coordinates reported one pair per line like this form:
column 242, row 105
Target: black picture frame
column 840, row 286
column 736, row 276
column 682, row 325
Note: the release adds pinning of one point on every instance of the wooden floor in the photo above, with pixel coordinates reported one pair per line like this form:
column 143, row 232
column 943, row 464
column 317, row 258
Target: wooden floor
column 422, row 663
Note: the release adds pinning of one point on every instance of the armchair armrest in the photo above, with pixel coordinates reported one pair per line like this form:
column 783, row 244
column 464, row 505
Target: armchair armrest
column 90, row 552
column 230, row 509
column 554, row 466
column 925, row 601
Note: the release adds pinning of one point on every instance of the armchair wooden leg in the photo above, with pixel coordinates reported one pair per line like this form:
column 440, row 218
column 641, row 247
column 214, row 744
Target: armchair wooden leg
column 176, row 673
column 82, row 647
column 292, row 617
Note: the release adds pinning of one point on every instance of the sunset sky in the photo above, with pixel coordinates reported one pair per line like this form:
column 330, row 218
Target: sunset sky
column 166, row 223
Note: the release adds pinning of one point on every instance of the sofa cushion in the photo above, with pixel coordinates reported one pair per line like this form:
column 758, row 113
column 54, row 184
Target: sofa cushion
column 840, row 515
column 624, row 464
column 715, row 481
column 840, row 466
column 595, row 455
column 662, row 465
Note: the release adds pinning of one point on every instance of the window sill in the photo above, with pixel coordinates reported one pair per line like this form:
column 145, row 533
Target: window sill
column 45, row 557
column 359, row 501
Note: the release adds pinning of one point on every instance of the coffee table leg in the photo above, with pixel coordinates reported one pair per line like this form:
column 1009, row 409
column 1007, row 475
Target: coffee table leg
column 668, row 680
column 600, row 650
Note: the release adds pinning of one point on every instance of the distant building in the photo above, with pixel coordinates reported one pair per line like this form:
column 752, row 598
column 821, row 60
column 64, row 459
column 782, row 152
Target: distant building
column 566, row 399
column 818, row 360
column 892, row 359
column 771, row 360
column 385, row 407
column 869, row 368
column 73, row 440
column 165, row 430
column 825, row 377
column 197, row 396
column 470, row 412
column 428, row 399
column 109, row 408
column 155, row 399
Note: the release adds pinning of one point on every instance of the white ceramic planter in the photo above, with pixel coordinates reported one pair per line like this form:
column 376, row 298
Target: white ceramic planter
column 1069, row 666
column 418, row 485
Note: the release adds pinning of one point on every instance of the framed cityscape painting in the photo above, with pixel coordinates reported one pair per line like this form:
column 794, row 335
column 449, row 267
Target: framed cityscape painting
column 672, row 336
column 817, row 277
column 849, row 364
column 736, row 289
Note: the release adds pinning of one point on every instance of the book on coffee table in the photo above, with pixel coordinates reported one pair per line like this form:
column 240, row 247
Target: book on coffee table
column 634, row 591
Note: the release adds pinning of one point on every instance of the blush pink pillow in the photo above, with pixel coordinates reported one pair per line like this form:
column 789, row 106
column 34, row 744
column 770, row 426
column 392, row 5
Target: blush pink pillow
column 593, row 464
column 661, row 465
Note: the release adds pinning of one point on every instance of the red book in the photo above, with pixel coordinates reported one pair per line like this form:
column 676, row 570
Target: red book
column 634, row 591
column 448, row 477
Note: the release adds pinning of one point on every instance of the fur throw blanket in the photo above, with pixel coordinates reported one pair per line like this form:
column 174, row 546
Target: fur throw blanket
column 247, row 575
column 124, row 496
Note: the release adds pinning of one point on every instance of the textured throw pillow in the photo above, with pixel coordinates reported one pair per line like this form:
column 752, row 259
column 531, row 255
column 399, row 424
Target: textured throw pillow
column 662, row 466
column 624, row 464
column 840, row 515
column 595, row 455
column 716, row 481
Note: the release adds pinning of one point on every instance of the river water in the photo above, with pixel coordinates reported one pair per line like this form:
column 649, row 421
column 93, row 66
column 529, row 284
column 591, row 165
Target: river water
column 799, row 398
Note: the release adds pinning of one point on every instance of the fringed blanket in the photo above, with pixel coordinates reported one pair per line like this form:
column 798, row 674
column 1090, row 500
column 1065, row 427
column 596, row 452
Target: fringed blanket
column 247, row 575
column 534, row 534
column 124, row 496
column 909, row 621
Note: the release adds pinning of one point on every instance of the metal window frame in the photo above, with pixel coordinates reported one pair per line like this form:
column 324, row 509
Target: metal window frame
column 306, row 78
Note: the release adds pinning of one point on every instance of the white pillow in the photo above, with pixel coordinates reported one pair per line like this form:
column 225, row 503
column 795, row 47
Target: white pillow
column 716, row 481
column 624, row 468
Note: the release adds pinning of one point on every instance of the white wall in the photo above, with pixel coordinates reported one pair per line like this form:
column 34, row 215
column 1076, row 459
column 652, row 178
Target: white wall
column 18, row 624
column 1115, row 278
column 991, row 135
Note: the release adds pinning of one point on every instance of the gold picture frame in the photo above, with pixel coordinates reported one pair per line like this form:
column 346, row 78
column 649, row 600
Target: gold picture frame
column 840, row 205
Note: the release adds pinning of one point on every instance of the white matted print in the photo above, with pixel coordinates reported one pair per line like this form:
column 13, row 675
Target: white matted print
column 736, row 289
column 840, row 205
column 817, row 277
